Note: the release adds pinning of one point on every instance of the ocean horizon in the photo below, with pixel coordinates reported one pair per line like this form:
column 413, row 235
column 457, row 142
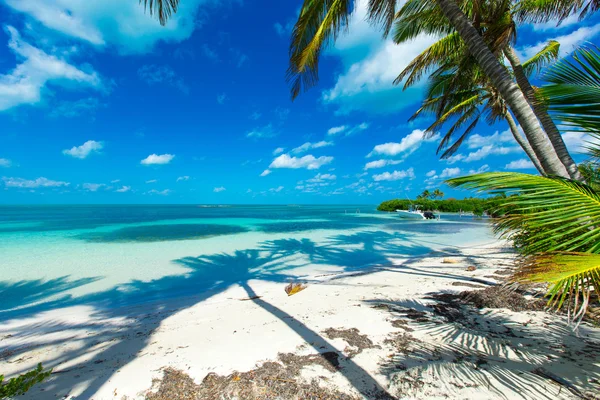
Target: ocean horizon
column 118, row 255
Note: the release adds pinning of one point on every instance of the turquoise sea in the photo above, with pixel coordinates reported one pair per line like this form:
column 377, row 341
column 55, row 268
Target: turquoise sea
column 112, row 256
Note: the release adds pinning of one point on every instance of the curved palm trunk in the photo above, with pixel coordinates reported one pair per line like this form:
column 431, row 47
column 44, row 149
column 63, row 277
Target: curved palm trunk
column 508, row 89
column 522, row 142
column 547, row 123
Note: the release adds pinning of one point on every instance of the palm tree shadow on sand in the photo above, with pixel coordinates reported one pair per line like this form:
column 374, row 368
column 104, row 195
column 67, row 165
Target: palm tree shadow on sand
column 120, row 327
column 466, row 348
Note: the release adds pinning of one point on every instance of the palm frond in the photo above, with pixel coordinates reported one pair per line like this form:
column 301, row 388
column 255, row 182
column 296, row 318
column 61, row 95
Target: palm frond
column 456, row 145
column 573, row 276
column 544, row 57
column 553, row 10
column 448, row 47
column 547, row 214
column 417, row 17
column 319, row 21
column 383, row 12
column 573, row 95
column 162, row 8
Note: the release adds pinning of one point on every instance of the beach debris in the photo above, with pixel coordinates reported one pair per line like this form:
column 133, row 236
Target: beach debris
column 279, row 379
column 471, row 268
column 250, row 298
column 356, row 342
column 467, row 284
column 294, row 288
column 449, row 261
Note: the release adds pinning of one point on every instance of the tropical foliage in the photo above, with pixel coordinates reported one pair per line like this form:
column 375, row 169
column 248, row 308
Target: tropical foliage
column 554, row 223
column 163, row 9
column 573, row 92
column 21, row 384
column 475, row 205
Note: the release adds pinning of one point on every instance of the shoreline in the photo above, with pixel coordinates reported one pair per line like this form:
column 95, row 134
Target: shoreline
column 415, row 338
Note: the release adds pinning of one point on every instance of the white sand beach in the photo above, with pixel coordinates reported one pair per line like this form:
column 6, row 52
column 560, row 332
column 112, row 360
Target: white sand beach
column 415, row 346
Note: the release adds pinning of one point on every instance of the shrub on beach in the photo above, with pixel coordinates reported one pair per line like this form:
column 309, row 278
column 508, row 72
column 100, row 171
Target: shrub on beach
column 475, row 205
column 22, row 383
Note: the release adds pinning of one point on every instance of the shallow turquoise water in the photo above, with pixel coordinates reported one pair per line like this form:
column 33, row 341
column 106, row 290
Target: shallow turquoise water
column 110, row 256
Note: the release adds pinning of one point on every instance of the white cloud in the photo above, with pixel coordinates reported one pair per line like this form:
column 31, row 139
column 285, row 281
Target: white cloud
column 5, row 162
column 568, row 42
column 381, row 163
column 370, row 66
column 265, row 172
column 308, row 146
column 124, row 24
column 578, row 142
column 490, row 150
column 219, row 189
column 520, row 164
column 308, row 162
column 183, row 178
column 115, row 181
column 480, row 170
column 163, row 74
column 322, row 178
column 165, row 192
column 552, row 25
column 277, row 189
column 358, row 128
column 407, row 145
column 152, row 181
column 221, row 98
column 349, row 130
column 154, row 159
column 477, row 141
column 266, row 131
column 81, row 152
column 93, row 187
column 32, row 184
column 395, row 176
column 123, row 189
column 500, row 143
column 450, row 172
column 278, row 150
column 430, row 173
column 336, row 129
column 25, row 83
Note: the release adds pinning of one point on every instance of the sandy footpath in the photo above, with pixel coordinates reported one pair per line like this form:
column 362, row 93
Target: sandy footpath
column 384, row 332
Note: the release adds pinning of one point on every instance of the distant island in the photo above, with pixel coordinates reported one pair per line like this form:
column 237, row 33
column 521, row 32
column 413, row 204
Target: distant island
column 433, row 201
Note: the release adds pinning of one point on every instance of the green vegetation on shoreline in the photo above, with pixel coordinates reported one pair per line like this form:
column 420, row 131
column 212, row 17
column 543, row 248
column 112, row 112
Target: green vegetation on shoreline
column 475, row 205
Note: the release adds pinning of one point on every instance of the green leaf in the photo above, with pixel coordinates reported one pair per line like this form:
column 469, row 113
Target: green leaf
column 572, row 276
column 544, row 57
column 545, row 213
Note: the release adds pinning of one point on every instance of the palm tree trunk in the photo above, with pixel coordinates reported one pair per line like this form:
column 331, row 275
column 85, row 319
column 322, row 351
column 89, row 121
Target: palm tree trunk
column 540, row 111
column 506, row 86
column 522, row 142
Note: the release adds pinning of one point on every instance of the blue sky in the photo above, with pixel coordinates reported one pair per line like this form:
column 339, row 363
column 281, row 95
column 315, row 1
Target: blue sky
column 100, row 104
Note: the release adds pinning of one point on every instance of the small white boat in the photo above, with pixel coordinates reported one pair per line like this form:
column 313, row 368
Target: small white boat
column 413, row 212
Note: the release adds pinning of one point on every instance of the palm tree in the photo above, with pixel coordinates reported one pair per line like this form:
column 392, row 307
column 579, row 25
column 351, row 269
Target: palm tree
column 322, row 20
column 495, row 22
column 554, row 221
column 425, row 195
column 437, row 194
column 464, row 96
